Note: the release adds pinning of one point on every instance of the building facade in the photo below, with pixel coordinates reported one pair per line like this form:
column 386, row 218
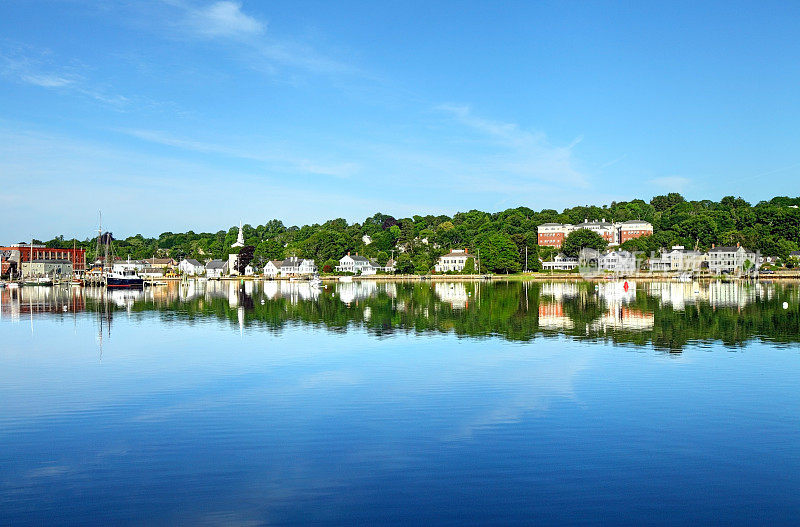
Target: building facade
column 356, row 265
column 554, row 234
column 191, row 267
column 46, row 267
column 216, row 269
column 454, row 261
column 25, row 252
column 725, row 260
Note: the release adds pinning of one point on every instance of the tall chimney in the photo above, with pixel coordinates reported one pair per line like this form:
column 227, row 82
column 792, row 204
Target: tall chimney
column 712, row 246
column 348, row 253
column 466, row 250
column 737, row 244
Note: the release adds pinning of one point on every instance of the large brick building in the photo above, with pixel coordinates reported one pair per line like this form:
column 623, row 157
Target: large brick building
column 553, row 234
column 25, row 252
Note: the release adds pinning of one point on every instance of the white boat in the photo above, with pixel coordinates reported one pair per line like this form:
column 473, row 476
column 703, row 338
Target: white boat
column 345, row 278
column 12, row 285
column 38, row 280
column 315, row 282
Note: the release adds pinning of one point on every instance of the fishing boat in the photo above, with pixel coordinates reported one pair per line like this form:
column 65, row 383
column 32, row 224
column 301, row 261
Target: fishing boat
column 315, row 281
column 124, row 280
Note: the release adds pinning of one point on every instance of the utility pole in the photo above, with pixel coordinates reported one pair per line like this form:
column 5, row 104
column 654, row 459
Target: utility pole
column 526, row 258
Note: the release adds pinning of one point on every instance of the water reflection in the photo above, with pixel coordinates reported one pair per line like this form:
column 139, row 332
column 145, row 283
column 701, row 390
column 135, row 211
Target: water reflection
column 663, row 314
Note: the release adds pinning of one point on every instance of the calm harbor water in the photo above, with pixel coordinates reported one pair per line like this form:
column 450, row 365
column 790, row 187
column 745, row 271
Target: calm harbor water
column 398, row 403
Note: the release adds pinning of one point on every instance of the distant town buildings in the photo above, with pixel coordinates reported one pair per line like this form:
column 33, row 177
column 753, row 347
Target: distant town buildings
column 554, row 234
column 453, row 261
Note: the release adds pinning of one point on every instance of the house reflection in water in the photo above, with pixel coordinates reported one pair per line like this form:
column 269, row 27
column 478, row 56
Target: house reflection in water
column 455, row 294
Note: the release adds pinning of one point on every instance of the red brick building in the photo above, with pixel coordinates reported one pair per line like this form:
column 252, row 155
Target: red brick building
column 553, row 234
column 24, row 252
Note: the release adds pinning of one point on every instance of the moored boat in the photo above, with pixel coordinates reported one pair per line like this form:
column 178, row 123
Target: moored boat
column 124, row 281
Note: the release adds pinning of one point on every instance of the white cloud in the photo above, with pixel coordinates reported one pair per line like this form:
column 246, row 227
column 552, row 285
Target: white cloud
column 259, row 49
column 224, row 19
column 46, row 80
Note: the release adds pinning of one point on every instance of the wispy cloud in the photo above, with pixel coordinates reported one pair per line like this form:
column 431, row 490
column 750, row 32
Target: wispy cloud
column 223, row 19
column 40, row 67
column 672, row 183
column 275, row 156
column 521, row 156
column 227, row 22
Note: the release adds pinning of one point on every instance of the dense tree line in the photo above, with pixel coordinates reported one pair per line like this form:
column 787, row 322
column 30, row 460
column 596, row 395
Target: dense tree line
column 772, row 227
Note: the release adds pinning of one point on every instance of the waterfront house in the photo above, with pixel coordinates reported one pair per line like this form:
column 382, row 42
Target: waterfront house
column 390, row 265
column 618, row 262
column 677, row 259
column 273, row 268
column 191, row 267
column 159, row 263
column 356, row 264
column 296, row 266
column 216, row 269
column 561, row 262
column 47, row 267
column 725, row 260
column 455, row 261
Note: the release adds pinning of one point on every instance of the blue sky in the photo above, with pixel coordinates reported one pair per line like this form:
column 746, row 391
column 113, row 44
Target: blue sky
column 174, row 115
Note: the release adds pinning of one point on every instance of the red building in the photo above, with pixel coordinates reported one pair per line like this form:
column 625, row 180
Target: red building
column 24, row 252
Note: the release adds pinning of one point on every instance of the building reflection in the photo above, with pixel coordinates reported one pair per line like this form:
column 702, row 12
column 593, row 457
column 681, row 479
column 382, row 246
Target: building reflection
column 658, row 312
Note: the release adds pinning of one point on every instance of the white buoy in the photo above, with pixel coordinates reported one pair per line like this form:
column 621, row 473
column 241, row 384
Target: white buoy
column 786, row 305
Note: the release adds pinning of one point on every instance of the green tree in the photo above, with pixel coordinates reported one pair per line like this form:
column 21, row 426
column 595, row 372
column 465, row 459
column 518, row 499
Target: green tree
column 580, row 239
column 498, row 253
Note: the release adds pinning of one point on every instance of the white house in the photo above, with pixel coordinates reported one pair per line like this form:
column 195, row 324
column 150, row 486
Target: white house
column 730, row 259
column 273, row 268
column 455, row 260
column 561, row 262
column 356, row 265
column 678, row 259
column 191, row 267
column 216, row 269
column 295, row 266
column 618, row 262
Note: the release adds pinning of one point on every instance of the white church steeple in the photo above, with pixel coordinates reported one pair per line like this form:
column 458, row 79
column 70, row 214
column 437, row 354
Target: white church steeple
column 240, row 238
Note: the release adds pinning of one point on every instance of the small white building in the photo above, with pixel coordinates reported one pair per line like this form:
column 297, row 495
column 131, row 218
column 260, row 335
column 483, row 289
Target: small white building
column 455, row 261
column 356, row 265
column 216, row 269
column 561, row 262
column 273, row 268
column 191, row 267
